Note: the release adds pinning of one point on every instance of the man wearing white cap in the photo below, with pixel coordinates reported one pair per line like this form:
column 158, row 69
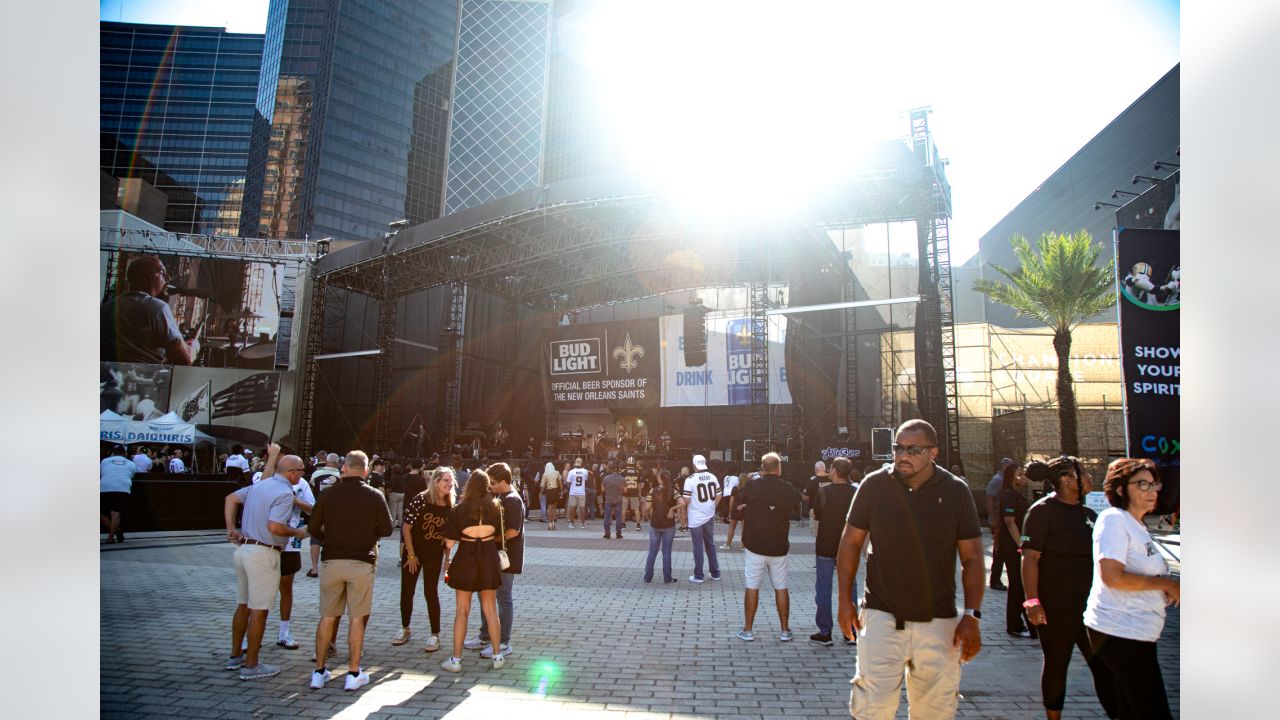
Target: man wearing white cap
column 577, row 482
column 699, row 494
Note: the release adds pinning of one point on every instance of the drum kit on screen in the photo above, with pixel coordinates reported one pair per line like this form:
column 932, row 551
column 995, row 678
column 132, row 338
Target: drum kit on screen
column 237, row 349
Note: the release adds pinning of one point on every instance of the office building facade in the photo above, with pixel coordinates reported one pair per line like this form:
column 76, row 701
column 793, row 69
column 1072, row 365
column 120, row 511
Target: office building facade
column 175, row 116
column 352, row 117
column 496, row 130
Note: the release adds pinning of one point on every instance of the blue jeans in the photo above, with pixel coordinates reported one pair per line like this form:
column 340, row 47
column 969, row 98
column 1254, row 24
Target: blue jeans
column 663, row 538
column 542, row 500
column 613, row 509
column 704, row 536
column 506, row 610
column 822, row 592
column 591, row 504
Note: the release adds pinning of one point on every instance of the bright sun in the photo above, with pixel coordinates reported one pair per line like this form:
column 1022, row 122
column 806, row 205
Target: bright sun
column 735, row 107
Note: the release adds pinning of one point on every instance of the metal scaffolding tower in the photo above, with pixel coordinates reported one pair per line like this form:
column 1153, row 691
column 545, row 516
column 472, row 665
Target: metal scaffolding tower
column 451, row 342
column 759, row 426
column 382, row 370
column 936, row 389
column 851, row 359
column 310, row 367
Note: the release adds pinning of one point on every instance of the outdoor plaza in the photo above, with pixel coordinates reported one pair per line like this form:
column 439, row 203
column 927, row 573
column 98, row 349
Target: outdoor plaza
column 590, row 640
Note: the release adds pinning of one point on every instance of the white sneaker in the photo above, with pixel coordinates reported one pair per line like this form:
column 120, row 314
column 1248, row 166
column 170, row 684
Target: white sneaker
column 499, row 662
column 746, row 635
column 695, row 580
column 318, row 679
column 355, row 682
column 453, row 665
column 474, row 643
column 785, row 636
column 503, row 649
column 402, row 637
column 433, row 644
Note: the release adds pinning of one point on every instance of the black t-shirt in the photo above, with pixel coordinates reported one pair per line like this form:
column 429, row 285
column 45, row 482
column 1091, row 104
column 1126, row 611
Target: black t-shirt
column 426, row 521
column 767, row 517
column 513, row 516
column 1014, row 505
column 395, row 483
column 1063, row 535
column 831, row 507
column 811, row 488
column 631, row 482
column 376, row 480
column 412, row 484
column 911, row 561
column 662, row 502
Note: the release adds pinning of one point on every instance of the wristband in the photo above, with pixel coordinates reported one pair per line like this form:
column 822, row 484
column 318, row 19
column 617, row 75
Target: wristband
column 1030, row 603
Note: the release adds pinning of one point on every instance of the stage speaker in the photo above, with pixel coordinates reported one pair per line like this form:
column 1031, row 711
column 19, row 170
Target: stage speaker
column 695, row 334
column 881, row 443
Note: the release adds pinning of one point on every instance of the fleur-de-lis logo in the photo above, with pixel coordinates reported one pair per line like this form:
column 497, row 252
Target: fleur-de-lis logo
column 628, row 354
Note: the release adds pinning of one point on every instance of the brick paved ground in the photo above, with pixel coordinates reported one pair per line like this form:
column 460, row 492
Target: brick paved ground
column 591, row 640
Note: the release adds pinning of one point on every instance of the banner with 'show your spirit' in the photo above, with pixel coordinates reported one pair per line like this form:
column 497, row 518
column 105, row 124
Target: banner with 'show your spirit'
column 1149, row 284
column 726, row 378
column 603, row 365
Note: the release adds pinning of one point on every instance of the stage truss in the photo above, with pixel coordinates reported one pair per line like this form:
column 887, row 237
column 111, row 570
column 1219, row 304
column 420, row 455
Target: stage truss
column 594, row 241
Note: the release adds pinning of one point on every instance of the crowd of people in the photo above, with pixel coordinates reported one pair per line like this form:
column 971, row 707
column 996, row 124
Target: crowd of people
column 1076, row 579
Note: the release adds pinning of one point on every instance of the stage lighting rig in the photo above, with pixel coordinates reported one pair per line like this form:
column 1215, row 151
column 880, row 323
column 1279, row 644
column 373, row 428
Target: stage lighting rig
column 1147, row 178
column 1162, row 165
column 1098, row 205
column 1115, row 194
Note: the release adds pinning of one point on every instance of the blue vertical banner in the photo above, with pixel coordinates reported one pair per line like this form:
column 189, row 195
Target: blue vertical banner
column 738, row 357
column 1149, row 285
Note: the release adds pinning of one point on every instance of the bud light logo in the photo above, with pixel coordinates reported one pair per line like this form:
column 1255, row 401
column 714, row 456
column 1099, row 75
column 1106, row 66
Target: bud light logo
column 575, row 357
column 738, row 346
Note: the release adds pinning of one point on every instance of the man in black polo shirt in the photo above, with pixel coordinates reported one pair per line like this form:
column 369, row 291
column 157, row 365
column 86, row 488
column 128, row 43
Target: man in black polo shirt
column 349, row 518
column 917, row 516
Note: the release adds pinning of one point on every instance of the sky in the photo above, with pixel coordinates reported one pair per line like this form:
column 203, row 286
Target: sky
column 1016, row 86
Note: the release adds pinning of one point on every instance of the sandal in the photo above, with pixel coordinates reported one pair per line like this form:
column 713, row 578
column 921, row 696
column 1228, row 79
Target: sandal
column 312, row 573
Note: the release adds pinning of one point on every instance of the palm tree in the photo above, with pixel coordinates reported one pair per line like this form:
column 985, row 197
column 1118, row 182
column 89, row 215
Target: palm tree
column 1061, row 285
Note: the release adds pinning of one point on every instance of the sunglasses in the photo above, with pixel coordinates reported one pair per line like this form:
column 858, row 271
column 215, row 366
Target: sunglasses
column 912, row 450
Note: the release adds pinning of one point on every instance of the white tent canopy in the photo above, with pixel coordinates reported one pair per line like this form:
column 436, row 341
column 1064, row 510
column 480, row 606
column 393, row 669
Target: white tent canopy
column 168, row 429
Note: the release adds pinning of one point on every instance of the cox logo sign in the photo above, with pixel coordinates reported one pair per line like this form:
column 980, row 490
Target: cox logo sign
column 1161, row 444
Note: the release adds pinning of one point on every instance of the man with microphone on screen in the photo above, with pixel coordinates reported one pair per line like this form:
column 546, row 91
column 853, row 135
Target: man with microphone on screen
column 138, row 326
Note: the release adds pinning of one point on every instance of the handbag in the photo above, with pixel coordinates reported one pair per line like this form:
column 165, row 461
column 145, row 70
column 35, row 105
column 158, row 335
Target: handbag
column 504, row 561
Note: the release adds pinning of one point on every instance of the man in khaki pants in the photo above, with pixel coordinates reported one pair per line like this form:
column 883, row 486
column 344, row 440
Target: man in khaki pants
column 349, row 518
column 918, row 516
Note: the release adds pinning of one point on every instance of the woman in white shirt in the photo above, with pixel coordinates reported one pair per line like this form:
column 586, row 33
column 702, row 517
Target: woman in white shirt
column 1131, row 587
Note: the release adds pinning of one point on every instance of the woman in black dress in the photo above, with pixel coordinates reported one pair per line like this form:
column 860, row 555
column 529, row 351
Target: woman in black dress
column 1057, row 573
column 473, row 528
column 1013, row 508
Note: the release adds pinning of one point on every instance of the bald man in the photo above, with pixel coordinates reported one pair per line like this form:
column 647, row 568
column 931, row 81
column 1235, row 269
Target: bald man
column 264, row 530
column 139, row 326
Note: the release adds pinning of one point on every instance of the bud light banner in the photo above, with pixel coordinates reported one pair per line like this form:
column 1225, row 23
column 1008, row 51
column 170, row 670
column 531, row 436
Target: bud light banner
column 605, row 365
column 726, row 378
column 1149, row 281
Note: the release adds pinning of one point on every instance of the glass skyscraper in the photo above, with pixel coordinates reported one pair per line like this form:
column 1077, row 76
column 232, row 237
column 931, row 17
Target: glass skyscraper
column 176, row 113
column 496, row 132
column 352, row 116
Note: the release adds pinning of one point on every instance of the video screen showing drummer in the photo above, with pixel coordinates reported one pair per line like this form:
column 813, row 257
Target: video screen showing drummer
column 191, row 311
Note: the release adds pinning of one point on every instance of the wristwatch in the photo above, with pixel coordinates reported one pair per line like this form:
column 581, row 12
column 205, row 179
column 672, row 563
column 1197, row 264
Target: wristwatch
column 973, row 613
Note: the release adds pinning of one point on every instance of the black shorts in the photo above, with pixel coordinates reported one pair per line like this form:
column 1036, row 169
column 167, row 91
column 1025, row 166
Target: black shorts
column 109, row 502
column 290, row 563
